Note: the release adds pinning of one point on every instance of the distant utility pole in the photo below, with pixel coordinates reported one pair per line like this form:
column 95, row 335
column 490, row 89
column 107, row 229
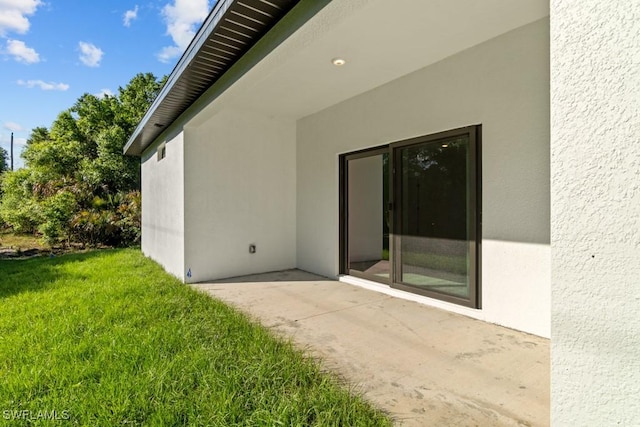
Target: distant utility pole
column 11, row 150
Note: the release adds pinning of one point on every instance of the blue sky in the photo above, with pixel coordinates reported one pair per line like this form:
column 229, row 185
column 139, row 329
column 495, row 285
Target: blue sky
column 53, row 51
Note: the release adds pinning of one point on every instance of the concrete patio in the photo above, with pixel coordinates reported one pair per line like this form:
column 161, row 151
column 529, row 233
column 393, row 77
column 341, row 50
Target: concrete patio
column 422, row 365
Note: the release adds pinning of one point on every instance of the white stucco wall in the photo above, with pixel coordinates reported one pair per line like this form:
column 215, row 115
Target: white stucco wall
column 595, row 216
column 163, row 205
column 240, row 189
column 502, row 84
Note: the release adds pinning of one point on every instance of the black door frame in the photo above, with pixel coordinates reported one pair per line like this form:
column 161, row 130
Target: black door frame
column 344, row 213
column 474, row 134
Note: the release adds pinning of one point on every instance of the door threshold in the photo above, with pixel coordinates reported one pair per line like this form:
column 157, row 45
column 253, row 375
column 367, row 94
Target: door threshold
column 409, row 296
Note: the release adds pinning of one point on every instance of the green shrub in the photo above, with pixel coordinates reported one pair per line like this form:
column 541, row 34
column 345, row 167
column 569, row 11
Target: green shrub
column 56, row 213
column 18, row 207
column 113, row 220
column 129, row 221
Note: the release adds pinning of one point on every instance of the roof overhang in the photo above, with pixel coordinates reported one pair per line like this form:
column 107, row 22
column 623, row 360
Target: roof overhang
column 229, row 31
column 380, row 40
column 288, row 71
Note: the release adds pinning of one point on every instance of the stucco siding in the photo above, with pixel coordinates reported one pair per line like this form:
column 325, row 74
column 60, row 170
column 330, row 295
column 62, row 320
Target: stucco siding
column 163, row 205
column 595, row 216
column 502, row 84
column 240, row 189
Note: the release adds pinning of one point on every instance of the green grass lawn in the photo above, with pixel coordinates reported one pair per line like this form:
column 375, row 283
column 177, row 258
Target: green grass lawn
column 106, row 338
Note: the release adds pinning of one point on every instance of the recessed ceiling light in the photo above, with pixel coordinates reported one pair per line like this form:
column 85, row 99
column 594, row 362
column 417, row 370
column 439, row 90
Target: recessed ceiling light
column 338, row 62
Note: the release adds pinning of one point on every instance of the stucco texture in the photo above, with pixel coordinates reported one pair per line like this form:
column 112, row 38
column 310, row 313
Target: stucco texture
column 163, row 204
column 595, row 212
column 239, row 191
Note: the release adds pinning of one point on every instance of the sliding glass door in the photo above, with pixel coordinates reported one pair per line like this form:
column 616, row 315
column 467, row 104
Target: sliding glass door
column 424, row 193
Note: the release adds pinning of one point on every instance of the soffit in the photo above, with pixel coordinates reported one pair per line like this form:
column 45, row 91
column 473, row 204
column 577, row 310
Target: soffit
column 230, row 30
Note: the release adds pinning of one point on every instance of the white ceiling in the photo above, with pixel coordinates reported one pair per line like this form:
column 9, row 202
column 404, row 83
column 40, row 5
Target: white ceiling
column 381, row 40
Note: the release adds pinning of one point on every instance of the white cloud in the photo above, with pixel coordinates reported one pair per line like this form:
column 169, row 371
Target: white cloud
column 182, row 18
column 13, row 15
column 103, row 93
column 169, row 52
column 21, row 52
column 13, row 126
column 129, row 16
column 90, row 54
column 43, row 85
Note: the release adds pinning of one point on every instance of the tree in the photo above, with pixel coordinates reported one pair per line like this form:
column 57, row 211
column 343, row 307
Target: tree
column 76, row 185
column 135, row 99
column 4, row 160
column 18, row 207
column 4, row 166
column 38, row 134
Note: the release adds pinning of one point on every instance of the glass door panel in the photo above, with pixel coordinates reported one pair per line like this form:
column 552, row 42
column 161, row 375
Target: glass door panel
column 367, row 216
column 435, row 233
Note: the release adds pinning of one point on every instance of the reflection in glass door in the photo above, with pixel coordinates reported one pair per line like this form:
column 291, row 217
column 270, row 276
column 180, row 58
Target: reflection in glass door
column 367, row 215
column 436, row 215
